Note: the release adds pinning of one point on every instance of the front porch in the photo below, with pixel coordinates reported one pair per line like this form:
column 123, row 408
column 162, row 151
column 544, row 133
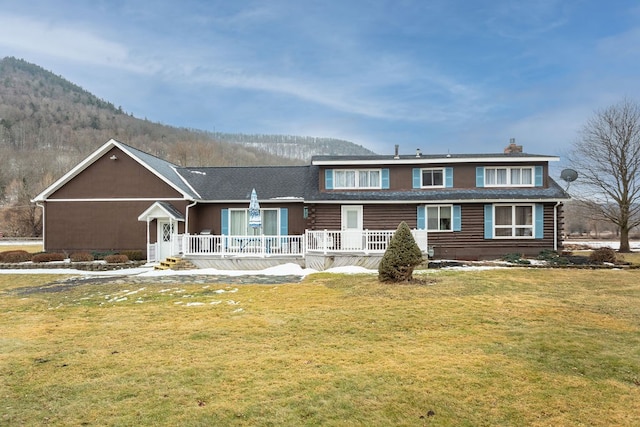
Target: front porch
column 314, row 249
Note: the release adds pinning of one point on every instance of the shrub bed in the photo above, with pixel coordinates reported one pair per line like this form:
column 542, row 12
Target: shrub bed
column 81, row 257
column 48, row 257
column 116, row 259
column 15, row 256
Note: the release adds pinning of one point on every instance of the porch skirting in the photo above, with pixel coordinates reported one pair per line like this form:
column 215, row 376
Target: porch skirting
column 241, row 263
column 318, row 262
column 322, row 262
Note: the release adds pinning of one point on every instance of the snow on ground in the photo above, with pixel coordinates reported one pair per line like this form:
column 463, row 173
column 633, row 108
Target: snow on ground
column 290, row 269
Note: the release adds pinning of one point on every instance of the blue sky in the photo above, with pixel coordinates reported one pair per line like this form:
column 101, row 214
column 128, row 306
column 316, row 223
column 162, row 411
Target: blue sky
column 457, row 76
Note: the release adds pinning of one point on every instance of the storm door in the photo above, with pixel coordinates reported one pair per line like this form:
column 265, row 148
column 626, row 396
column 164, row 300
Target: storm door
column 352, row 237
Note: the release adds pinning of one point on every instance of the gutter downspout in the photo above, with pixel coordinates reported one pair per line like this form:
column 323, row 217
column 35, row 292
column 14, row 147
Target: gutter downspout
column 44, row 246
column 555, row 226
column 185, row 239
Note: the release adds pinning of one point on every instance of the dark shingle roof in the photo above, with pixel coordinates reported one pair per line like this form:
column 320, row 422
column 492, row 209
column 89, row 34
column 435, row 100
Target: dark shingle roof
column 236, row 183
column 164, row 168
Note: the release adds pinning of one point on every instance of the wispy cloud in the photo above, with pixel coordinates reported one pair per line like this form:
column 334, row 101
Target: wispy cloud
column 19, row 33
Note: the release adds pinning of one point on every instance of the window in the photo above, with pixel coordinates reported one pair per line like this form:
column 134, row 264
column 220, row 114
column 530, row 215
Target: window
column 357, row 178
column 432, row 177
column 439, row 218
column 167, row 231
column 513, row 221
column 239, row 223
column 515, row 177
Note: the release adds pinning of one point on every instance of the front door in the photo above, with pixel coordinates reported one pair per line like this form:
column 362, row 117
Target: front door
column 165, row 232
column 352, row 228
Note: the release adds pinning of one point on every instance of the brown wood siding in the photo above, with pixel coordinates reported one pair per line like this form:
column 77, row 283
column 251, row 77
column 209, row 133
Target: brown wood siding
column 113, row 225
column 121, row 178
column 469, row 243
column 207, row 216
column 464, row 174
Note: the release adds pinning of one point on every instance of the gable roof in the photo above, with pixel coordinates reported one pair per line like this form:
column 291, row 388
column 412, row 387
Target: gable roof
column 164, row 170
column 161, row 210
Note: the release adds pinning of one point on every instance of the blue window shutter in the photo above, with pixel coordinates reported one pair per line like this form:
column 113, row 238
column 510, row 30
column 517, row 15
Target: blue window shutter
column 284, row 221
column 488, row 221
column 457, row 218
column 416, row 178
column 479, row 176
column 385, row 179
column 224, row 222
column 422, row 220
column 538, row 176
column 539, row 225
column 448, row 177
column 328, row 179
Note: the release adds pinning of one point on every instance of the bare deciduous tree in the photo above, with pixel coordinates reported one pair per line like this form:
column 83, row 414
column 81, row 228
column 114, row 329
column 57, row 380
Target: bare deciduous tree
column 607, row 157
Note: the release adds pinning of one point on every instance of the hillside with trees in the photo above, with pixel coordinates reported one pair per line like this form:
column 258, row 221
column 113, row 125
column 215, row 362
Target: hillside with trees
column 48, row 125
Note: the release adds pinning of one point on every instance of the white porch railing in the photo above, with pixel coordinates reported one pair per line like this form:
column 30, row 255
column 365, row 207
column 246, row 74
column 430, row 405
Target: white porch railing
column 152, row 252
column 258, row 245
column 324, row 241
column 367, row 241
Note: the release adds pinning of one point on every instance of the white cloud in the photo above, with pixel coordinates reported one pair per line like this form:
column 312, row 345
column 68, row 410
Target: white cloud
column 22, row 34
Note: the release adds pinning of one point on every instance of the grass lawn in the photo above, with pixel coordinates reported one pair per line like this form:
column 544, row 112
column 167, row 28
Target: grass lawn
column 476, row 348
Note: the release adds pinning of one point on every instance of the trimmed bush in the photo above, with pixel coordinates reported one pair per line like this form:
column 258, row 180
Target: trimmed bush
column 401, row 257
column 602, row 255
column 15, row 256
column 116, row 259
column 81, row 257
column 48, row 257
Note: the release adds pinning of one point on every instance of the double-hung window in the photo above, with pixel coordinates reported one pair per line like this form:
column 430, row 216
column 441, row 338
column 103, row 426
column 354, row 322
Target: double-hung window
column 357, row 178
column 508, row 176
column 439, row 218
column 513, row 221
column 432, row 178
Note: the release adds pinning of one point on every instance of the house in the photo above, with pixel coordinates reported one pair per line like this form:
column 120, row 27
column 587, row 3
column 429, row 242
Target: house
column 335, row 210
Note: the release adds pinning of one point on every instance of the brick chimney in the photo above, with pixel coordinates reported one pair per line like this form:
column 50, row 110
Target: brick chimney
column 512, row 147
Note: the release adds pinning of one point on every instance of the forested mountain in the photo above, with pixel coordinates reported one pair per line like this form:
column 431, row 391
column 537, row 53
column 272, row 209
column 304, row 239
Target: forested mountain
column 48, row 125
column 294, row 147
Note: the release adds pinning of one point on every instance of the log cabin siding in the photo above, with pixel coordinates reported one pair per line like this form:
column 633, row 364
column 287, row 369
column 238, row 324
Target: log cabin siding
column 468, row 243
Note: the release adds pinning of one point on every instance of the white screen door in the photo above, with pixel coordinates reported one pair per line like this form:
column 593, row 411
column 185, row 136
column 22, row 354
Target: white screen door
column 352, row 227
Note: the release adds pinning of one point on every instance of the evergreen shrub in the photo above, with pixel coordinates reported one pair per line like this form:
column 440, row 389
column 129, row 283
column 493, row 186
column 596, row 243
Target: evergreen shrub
column 401, row 257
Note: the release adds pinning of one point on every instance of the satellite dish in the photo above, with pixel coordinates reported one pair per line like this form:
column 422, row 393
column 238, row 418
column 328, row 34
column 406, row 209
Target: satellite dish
column 569, row 175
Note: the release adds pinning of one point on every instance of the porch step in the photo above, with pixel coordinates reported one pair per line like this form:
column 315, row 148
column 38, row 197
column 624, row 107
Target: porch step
column 175, row 263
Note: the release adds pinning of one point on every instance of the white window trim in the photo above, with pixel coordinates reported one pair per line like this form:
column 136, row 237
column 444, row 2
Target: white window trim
column 444, row 178
column 514, row 226
column 357, row 179
column 508, row 169
column 426, row 218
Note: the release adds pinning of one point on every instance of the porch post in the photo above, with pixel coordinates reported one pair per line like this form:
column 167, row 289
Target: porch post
column 148, row 242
